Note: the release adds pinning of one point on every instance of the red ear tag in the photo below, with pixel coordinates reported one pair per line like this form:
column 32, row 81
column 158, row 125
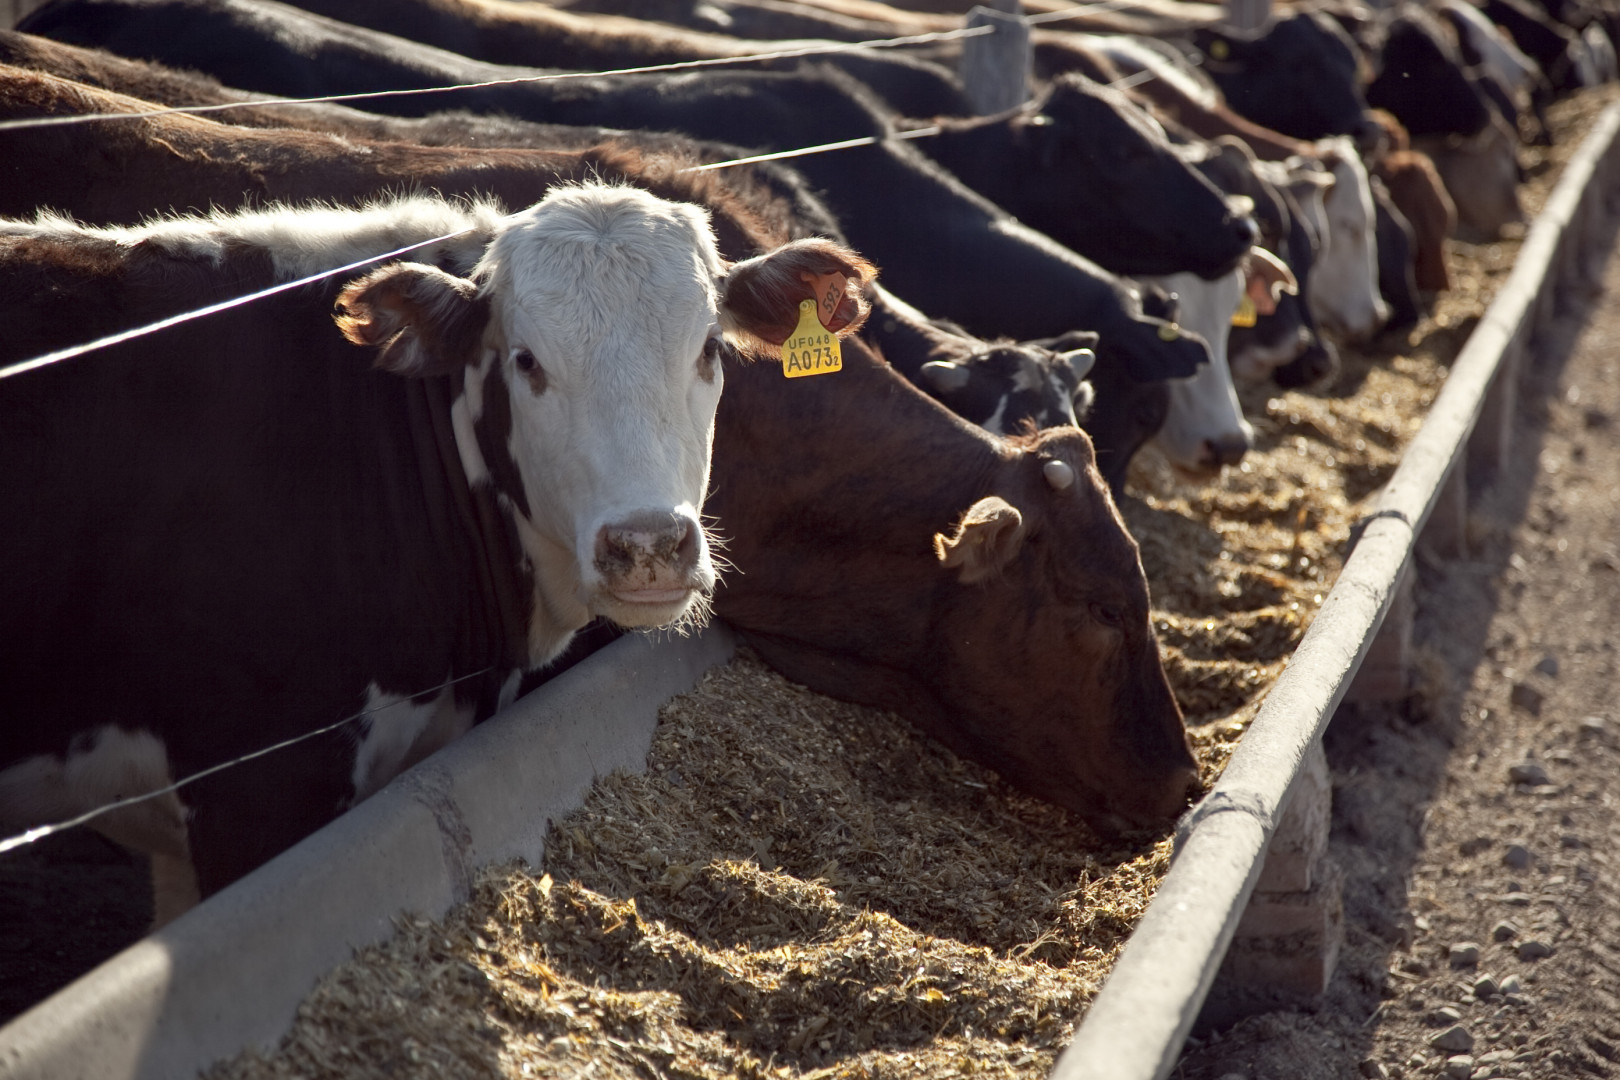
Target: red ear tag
column 811, row 349
column 829, row 293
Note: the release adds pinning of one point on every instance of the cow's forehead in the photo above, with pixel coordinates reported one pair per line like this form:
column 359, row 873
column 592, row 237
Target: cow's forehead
column 593, row 266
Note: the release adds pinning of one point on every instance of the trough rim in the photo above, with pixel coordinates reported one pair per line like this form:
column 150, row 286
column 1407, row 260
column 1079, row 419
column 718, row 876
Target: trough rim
column 1136, row 1025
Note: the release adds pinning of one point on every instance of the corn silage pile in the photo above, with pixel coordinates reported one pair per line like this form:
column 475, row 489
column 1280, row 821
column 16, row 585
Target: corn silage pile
column 800, row 887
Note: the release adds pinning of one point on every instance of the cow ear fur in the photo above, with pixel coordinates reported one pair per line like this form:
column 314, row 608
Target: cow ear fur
column 760, row 297
column 986, row 540
column 425, row 321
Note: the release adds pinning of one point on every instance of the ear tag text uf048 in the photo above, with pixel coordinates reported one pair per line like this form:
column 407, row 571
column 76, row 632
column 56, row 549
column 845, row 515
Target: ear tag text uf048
column 812, row 349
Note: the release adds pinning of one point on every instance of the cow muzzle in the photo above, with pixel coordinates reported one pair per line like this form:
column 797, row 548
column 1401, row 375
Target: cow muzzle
column 651, row 564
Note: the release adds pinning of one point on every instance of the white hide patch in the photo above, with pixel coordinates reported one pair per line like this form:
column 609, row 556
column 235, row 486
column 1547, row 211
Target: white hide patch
column 1343, row 289
column 399, row 732
column 301, row 240
column 1204, row 409
column 464, row 413
column 993, row 423
column 110, row 764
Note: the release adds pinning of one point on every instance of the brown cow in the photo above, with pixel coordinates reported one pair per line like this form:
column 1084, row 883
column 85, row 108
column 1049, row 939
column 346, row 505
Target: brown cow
column 985, row 588
column 1418, row 193
column 892, row 554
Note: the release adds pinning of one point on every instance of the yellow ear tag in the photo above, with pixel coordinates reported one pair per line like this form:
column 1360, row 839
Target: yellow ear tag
column 1169, row 331
column 1245, row 315
column 1219, row 49
column 811, row 349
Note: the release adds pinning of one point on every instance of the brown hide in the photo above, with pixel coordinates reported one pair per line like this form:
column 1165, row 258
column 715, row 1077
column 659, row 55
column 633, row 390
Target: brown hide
column 1418, row 193
column 831, row 491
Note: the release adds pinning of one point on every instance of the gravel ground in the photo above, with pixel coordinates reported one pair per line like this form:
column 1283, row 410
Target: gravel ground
column 1476, row 820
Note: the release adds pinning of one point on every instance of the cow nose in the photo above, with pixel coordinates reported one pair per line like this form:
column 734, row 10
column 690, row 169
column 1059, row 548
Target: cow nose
column 1227, row 449
column 660, row 542
column 1162, row 802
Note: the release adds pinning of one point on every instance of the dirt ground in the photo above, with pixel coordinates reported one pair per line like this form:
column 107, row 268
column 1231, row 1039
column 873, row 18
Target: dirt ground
column 1477, row 820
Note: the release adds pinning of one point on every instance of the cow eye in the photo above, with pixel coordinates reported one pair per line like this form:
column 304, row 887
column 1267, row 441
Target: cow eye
column 524, row 361
column 1108, row 615
column 708, row 358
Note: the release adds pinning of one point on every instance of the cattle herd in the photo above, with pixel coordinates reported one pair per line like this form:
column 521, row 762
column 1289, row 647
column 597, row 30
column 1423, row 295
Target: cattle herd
column 517, row 365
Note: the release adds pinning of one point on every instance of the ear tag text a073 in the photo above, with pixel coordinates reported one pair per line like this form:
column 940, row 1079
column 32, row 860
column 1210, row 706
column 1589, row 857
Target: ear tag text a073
column 812, row 349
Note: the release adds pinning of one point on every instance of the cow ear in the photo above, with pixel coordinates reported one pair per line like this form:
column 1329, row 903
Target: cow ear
column 1265, row 279
column 423, row 320
column 986, row 540
column 760, row 299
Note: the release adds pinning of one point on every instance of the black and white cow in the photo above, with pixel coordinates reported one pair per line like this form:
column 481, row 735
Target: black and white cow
column 244, row 528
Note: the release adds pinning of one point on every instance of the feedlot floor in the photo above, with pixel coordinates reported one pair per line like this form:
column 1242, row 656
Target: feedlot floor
column 801, row 887
column 1456, row 873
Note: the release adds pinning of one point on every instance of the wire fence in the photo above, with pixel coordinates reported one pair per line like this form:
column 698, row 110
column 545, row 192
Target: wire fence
column 19, row 8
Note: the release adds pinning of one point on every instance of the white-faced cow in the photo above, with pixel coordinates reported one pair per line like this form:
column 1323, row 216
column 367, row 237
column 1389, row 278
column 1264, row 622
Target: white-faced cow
column 1205, row 429
column 239, row 530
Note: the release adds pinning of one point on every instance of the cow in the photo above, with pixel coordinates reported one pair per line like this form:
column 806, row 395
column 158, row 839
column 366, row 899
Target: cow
column 541, row 36
column 1344, row 285
column 1422, row 80
column 1489, row 48
column 267, row 533
column 899, row 208
column 1003, row 386
column 1397, row 279
column 984, row 588
column 1087, row 167
column 1299, row 75
column 1282, row 343
column 1481, row 175
column 1204, row 429
column 1416, row 190
column 1556, row 48
column 1179, row 94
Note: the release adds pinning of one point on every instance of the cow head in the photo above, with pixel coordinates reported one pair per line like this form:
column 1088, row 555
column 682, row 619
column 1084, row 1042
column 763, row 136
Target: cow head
column 1422, row 79
column 1343, row 290
column 1205, row 429
column 1006, row 387
column 1301, row 75
column 588, row 339
column 1146, row 210
column 1042, row 568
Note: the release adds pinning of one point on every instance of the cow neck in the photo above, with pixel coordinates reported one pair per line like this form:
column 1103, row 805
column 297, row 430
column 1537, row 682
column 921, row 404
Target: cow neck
column 498, row 623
